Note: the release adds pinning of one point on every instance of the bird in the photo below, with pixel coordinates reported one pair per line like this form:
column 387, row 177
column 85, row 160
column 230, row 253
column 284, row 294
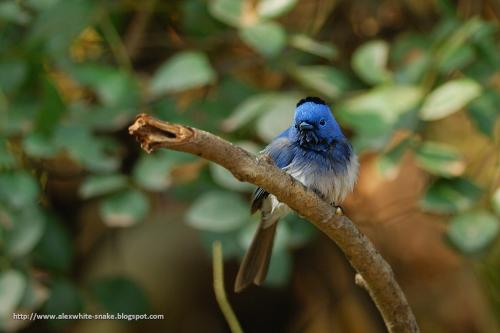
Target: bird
column 313, row 150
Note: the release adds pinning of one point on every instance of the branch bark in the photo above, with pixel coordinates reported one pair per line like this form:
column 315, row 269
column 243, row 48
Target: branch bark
column 377, row 275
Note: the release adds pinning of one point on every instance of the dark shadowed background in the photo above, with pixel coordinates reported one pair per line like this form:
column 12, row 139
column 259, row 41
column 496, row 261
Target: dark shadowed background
column 89, row 223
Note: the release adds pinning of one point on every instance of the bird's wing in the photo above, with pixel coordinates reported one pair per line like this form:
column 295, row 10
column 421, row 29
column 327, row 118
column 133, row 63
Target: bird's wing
column 282, row 154
column 341, row 153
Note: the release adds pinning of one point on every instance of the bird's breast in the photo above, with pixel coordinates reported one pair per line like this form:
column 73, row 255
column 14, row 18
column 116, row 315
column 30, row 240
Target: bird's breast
column 334, row 179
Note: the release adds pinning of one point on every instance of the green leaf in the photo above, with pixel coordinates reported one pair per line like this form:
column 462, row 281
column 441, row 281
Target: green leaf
column 448, row 196
column 12, row 286
column 455, row 43
column 407, row 45
column 233, row 90
column 152, row 172
column 14, row 72
column 59, row 24
column 388, row 101
column 274, row 8
column 480, row 71
column 211, row 212
column 268, row 38
column 6, row 158
column 495, row 201
column 54, row 251
column 114, row 87
column 233, row 12
column 196, row 20
column 458, row 59
column 370, row 61
column 52, row 108
column 18, row 189
column 486, row 46
column 11, row 11
column 225, row 179
column 101, row 184
column 449, row 98
column 183, row 71
column 388, row 163
column 227, row 11
column 104, row 118
column 20, row 116
column 374, row 114
column 27, row 228
column 484, row 112
column 307, row 44
column 248, row 110
column 373, row 131
column 64, row 298
column 39, row 145
column 85, row 148
column 440, row 159
column 325, row 79
column 414, row 68
column 279, row 115
column 119, row 294
column 411, row 57
column 473, row 231
column 41, row 4
column 124, row 209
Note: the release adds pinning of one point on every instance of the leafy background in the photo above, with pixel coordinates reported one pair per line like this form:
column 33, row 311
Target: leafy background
column 88, row 222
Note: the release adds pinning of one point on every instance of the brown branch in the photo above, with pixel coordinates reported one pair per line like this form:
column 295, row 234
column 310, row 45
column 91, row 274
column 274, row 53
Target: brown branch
column 377, row 275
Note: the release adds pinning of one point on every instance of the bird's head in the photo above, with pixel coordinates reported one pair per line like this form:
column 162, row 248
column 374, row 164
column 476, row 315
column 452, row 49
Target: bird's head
column 314, row 126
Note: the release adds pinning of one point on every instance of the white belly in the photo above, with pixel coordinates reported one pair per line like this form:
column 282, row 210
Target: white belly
column 333, row 186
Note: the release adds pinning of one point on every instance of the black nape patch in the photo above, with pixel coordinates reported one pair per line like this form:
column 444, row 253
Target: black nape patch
column 315, row 100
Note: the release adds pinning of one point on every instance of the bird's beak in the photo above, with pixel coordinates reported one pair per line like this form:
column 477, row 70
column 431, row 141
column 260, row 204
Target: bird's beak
column 305, row 126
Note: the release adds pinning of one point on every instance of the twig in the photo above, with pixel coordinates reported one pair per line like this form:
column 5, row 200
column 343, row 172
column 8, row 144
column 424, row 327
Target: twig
column 378, row 275
column 220, row 292
column 135, row 32
column 115, row 43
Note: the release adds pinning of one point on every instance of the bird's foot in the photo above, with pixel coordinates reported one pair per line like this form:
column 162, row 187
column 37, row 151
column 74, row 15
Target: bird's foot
column 338, row 210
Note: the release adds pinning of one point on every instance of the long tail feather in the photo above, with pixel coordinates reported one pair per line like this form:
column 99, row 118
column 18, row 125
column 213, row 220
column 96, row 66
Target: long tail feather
column 255, row 264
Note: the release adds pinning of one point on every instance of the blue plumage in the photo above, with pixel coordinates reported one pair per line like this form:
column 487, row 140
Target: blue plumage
column 314, row 151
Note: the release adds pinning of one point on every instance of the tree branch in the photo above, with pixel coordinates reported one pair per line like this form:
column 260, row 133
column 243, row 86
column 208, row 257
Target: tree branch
column 378, row 277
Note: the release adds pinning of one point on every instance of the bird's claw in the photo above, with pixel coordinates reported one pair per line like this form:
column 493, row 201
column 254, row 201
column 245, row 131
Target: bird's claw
column 338, row 210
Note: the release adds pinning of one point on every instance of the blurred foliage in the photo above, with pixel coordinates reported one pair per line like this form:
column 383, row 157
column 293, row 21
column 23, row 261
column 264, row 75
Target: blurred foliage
column 71, row 81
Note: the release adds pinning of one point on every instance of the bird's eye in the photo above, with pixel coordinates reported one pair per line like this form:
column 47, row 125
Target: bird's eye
column 322, row 122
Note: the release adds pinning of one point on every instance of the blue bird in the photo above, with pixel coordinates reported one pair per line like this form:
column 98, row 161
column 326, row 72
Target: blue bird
column 314, row 151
